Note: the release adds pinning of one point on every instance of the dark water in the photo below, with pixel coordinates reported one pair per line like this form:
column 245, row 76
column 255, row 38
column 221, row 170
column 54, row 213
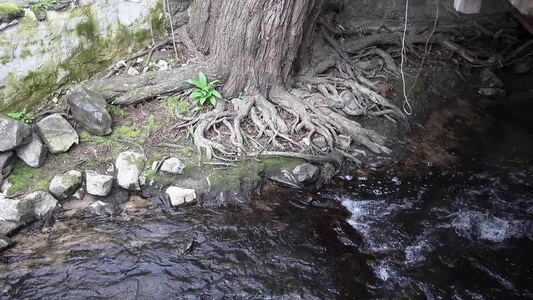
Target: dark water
column 463, row 232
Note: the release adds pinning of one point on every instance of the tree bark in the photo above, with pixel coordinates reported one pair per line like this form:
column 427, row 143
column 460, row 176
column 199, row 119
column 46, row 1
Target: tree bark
column 253, row 44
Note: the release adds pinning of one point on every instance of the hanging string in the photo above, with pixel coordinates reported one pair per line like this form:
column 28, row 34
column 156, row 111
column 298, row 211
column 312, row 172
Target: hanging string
column 426, row 49
column 406, row 105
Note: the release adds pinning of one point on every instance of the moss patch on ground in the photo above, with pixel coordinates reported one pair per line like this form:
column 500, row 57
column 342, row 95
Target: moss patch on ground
column 26, row 179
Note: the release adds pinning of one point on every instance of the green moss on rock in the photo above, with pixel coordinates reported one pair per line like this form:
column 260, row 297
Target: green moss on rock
column 97, row 50
column 9, row 12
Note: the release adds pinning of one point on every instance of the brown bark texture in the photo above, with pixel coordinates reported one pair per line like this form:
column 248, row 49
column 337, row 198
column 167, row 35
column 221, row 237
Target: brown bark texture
column 253, row 43
column 254, row 48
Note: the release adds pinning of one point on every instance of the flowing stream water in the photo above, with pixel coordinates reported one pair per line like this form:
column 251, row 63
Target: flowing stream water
column 461, row 232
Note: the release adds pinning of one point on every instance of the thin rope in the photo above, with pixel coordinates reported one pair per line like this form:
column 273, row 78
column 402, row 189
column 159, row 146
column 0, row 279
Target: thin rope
column 406, row 105
column 426, row 50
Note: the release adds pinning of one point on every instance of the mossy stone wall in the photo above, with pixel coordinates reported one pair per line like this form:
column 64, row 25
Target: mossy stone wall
column 38, row 58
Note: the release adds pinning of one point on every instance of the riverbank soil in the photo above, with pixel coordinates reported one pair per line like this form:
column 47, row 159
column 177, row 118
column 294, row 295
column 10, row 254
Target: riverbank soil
column 373, row 81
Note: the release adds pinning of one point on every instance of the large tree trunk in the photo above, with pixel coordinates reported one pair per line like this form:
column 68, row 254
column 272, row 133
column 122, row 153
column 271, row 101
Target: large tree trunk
column 253, row 43
column 255, row 46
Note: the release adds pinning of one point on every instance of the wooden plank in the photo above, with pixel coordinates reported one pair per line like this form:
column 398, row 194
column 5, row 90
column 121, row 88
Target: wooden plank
column 467, row 6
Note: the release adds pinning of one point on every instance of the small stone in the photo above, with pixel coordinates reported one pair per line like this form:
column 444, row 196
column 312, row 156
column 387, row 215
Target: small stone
column 305, row 173
column 34, row 153
column 172, row 165
column 57, row 133
column 79, row 194
column 13, row 134
column 320, row 142
column 132, row 71
column 98, row 184
column 343, row 141
column 297, row 175
column 64, row 185
column 162, row 65
column 491, row 92
column 129, row 167
column 102, row 209
column 180, row 196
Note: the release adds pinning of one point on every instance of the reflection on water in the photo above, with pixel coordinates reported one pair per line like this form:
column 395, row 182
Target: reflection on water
column 464, row 232
column 274, row 247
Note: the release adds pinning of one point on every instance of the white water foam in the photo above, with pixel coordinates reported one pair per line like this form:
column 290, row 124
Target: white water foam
column 476, row 225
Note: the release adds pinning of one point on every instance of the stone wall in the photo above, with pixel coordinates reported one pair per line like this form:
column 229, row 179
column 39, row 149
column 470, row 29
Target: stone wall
column 37, row 57
column 359, row 12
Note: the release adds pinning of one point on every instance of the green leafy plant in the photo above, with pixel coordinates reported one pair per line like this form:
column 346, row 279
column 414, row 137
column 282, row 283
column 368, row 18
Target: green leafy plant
column 149, row 67
column 190, row 133
column 241, row 95
column 22, row 116
column 205, row 91
column 172, row 62
column 46, row 4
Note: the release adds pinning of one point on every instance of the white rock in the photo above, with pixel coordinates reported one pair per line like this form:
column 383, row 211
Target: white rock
column 34, row 153
column 162, row 65
column 132, row 71
column 14, row 134
column 98, row 184
column 64, row 185
column 172, row 165
column 57, row 133
column 8, row 209
column 32, row 206
column 129, row 167
column 43, row 201
column 179, row 196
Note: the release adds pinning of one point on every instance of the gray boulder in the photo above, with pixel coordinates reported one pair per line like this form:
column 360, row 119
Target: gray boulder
column 297, row 175
column 89, row 110
column 33, row 206
column 34, row 153
column 7, row 160
column 129, row 167
column 13, row 134
column 172, row 165
column 180, row 196
column 57, row 133
column 64, row 185
column 98, row 184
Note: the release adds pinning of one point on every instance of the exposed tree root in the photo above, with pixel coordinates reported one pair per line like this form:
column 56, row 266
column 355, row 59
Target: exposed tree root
column 395, row 39
column 317, row 120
